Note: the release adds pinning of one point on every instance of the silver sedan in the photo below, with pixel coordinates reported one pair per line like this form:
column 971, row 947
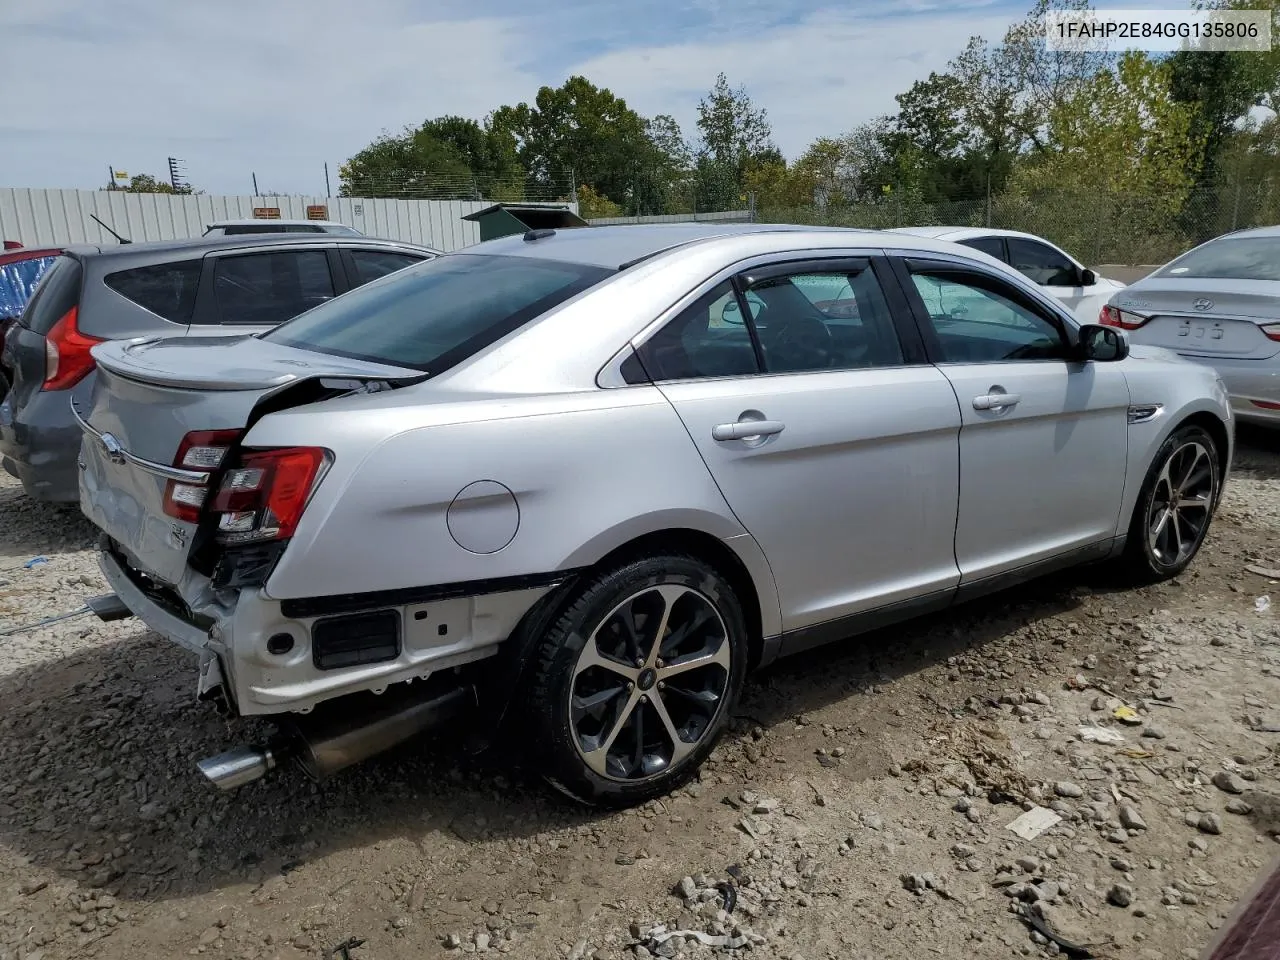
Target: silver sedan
column 1218, row 305
column 586, row 480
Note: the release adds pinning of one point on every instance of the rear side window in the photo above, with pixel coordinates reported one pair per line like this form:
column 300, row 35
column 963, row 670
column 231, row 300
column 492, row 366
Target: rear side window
column 18, row 282
column 58, row 292
column 166, row 289
column 439, row 313
column 270, row 288
column 366, row 265
column 1238, row 258
column 994, row 246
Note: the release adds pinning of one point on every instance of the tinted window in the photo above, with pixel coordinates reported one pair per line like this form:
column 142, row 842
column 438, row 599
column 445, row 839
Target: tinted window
column 269, row 288
column 976, row 320
column 440, row 312
column 18, row 282
column 990, row 245
column 1230, row 258
column 824, row 321
column 267, row 227
column 1042, row 263
column 706, row 339
column 57, row 293
column 366, row 265
column 166, row 289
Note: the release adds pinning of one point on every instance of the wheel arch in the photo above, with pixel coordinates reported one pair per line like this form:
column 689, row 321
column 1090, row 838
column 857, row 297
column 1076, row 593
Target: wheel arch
column 1216, row 428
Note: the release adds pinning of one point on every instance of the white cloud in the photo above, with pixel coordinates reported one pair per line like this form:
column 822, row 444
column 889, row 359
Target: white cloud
column 279, row 87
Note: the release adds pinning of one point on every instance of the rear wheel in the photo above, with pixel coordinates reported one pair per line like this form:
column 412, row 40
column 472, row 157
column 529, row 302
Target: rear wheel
column 635, row 682
column 1176, row 506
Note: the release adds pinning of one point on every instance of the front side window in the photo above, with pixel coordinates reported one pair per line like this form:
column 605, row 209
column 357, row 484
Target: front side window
column 439, row 313
column 270, row 288
column 976, row 319
column 166, row 289
column 836, row 320
column 1042, row 264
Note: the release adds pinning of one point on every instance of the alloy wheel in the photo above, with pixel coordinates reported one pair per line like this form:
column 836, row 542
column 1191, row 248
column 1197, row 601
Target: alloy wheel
column 649, row 683
column 1181, row 504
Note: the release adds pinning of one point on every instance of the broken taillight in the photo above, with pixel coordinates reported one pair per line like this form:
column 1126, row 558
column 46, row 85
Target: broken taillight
column 263, row 494
column 202, row 451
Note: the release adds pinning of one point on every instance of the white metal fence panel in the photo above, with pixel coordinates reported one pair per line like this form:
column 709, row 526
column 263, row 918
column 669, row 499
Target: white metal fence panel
column 61, row 217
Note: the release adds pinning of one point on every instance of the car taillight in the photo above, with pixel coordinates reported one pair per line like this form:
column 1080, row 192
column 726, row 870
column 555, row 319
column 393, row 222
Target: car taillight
column 203, row 451
column 1114, row 317
column 1271, row 331
column 262, row 496
column 66, row 353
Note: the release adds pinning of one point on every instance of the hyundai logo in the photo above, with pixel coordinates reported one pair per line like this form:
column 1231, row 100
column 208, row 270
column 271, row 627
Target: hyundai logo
column 1203, row 304
column 115, row 452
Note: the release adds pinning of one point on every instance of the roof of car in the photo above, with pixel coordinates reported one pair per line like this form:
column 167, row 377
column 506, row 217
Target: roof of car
column 1272, row 231
column 947, row 233
column 197, row 245
column 615, row 245
column 250, row 221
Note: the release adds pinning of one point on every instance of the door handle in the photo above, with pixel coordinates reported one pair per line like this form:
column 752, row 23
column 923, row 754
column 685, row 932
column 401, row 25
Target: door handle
column 743, row 429
column 996, row 401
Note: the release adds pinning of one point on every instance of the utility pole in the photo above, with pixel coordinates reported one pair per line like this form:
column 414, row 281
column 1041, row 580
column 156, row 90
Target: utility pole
column 111, row 177
column 327, row 192
column 255, row 185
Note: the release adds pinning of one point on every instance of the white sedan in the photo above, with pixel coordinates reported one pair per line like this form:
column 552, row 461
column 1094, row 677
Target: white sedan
column 1060, row 274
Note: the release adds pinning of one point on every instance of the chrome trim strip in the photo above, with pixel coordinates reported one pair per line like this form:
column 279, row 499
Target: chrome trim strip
column 197, row 478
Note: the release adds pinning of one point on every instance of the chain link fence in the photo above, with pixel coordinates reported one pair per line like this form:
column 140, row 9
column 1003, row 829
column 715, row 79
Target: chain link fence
column 1096, row 227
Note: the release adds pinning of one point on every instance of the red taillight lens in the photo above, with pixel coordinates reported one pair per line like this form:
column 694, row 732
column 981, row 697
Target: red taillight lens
column 202, row 450
column 1271, row 331
column 262, row 497
column 66, row 353
column 1114, row 317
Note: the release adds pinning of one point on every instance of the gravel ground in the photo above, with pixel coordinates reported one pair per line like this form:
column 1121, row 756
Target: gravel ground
column 860, row 809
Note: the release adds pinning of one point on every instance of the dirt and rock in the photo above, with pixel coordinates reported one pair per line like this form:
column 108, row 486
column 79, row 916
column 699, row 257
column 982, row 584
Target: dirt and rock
column 861, row 808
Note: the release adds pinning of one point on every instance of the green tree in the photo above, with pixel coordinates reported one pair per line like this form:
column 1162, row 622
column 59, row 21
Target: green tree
column 146, row 183
column 736, row 139
column 579, row 131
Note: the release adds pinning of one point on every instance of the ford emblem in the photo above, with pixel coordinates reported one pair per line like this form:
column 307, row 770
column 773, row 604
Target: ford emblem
column 1203, row 304
column 115, row 452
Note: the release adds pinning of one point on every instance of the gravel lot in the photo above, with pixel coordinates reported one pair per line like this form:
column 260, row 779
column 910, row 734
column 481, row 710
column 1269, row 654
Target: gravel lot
column 859, row 810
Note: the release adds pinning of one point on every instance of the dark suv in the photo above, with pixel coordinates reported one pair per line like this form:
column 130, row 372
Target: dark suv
column 206, row 287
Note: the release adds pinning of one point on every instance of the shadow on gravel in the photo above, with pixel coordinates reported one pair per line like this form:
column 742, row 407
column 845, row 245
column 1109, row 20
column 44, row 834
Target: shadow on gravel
column 29, row 527
column 97, row 756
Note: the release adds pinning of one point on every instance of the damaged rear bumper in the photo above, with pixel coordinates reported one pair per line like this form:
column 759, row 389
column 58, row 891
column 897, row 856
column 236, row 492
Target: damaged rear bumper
column 263, row 662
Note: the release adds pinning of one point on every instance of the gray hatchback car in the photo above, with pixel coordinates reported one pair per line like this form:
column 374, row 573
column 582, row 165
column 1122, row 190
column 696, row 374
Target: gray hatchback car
column 210, row 286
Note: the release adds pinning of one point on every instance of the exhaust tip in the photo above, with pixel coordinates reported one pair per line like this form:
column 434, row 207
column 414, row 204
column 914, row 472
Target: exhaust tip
column 239, row 766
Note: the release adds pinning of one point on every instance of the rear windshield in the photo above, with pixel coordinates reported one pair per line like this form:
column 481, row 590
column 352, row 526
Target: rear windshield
column 57, row 293
column 1231, row 258
column 439, row 313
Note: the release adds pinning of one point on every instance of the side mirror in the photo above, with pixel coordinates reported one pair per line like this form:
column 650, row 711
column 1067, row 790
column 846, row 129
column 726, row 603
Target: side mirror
column 730, row 313
column 1102, row 344
column 1088, row 278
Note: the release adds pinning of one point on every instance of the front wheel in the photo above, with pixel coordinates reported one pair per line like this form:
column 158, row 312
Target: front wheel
column 635, row 681
column 1176, row 506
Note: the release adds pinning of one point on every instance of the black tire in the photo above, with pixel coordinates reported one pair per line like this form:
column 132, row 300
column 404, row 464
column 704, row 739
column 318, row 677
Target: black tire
column 565, row 695
column 1190, row 455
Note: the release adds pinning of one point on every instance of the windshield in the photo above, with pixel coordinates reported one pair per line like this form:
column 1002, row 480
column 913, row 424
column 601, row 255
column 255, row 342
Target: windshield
column 1232, row 258
column 438, row 313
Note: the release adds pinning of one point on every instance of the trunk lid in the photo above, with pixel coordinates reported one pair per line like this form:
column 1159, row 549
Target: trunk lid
column 150, row 394
column 1205, row 317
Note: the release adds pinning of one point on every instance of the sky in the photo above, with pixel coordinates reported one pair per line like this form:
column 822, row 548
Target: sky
column 280, row 87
